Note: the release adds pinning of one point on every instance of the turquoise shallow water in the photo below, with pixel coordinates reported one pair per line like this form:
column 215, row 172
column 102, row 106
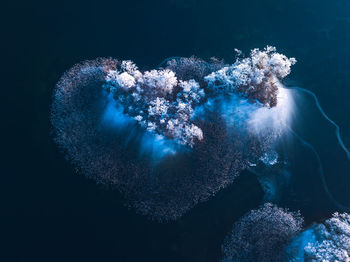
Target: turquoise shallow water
column 50, row 213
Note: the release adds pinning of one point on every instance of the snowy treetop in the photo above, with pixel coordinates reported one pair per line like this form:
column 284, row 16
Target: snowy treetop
column 164, row 104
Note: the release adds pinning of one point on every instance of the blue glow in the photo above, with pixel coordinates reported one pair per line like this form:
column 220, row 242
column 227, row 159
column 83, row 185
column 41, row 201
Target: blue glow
column 235, row 110
column 295, row 249
column 158, row 146
column 150, row 144
column 113, row 115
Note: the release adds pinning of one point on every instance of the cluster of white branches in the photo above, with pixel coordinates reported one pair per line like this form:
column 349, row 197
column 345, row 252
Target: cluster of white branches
column 164, row 104
column 255, row 77
column 157, row 100
column 333, row 242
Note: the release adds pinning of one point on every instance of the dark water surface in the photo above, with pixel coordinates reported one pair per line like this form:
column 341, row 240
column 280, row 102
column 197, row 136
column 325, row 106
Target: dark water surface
column 49, row 213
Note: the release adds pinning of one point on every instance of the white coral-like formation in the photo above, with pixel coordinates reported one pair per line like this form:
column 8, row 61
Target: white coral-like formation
column 255, row 77
column 164, row 104
column 333, row 242
column 157, row 100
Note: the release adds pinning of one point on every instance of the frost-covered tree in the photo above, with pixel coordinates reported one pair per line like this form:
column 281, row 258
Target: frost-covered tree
column 255, row 77
column 157, row 100
column 324, row 242
column 261, row 235
column 164, row 104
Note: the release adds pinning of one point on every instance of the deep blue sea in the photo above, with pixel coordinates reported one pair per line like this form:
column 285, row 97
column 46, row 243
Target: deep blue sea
column 49, row 212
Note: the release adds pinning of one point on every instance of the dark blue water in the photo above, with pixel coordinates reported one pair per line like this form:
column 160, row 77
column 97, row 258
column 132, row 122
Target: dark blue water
column 50, row 213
